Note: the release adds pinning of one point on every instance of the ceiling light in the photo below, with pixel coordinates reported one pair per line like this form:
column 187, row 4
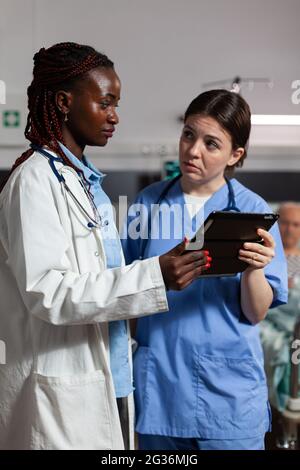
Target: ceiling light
column 275, row 119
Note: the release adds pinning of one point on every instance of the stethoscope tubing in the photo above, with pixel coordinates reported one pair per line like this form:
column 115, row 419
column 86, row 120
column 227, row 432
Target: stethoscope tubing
column 92, row 222
column 231, row 206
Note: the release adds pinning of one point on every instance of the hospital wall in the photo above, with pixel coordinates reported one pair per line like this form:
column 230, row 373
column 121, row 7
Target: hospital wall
column 164, row 51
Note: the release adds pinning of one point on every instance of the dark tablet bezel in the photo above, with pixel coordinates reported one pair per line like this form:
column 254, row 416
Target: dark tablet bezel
column 243, row 232
column 253, row 219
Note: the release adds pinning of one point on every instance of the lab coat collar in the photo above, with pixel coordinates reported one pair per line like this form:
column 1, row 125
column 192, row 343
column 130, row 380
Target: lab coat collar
column 91, row 173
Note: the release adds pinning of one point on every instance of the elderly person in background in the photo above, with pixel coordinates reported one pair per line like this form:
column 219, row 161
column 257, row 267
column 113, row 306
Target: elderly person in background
column 289, row 224
column 278, row 327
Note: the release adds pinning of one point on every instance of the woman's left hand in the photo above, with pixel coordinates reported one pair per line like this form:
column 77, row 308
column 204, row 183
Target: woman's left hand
column 257, row 255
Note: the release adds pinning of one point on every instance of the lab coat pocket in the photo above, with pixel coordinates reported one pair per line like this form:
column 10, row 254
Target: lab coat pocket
column 229, row 393
column 71, row 412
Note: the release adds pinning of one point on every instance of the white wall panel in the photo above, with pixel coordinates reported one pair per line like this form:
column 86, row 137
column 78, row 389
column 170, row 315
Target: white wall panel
column 163, row 51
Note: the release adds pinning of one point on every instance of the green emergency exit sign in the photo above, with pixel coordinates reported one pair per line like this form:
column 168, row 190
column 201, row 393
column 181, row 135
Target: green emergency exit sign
column 11, row 118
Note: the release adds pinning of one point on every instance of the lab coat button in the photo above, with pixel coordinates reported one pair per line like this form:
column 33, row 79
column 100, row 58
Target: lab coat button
column 96, row 253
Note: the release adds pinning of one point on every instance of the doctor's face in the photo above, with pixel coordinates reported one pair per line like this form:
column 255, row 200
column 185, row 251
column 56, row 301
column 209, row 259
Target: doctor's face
column 205, row 150
column 92, row 115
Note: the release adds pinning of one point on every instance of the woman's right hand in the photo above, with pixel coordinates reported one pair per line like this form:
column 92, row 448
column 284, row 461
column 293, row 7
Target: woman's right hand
column 180, row 268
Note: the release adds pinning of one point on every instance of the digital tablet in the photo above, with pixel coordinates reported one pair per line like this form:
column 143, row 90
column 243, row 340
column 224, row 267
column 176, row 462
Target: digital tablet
column 223, row 235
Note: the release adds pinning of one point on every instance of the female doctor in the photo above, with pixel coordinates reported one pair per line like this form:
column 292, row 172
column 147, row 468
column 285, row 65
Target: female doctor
column 65, row 291
column 198, row 373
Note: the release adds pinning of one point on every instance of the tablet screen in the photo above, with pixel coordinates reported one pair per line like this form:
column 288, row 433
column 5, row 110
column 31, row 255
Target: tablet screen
column 223, row 235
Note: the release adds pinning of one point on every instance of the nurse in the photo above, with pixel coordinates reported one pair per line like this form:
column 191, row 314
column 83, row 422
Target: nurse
column 198, row 373
column 64, row 290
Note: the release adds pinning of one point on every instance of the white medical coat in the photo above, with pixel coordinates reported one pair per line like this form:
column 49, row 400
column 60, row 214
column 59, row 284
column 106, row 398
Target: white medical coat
column 56, row 299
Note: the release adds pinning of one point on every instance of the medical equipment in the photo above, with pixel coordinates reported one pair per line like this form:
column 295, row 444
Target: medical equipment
column 224, row 233
column 231, row 205
column 94, row 222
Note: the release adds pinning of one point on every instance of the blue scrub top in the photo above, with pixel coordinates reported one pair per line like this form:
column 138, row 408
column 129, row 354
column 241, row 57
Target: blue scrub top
column 198, row 370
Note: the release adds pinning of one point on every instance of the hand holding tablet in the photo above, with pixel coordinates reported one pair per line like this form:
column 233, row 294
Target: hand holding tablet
column 224, row 234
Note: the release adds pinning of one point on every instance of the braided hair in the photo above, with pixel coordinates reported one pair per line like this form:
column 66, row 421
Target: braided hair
column 57, row 67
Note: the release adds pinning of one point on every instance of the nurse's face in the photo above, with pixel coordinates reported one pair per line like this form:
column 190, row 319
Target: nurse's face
column 205, row 149
column 91, row 108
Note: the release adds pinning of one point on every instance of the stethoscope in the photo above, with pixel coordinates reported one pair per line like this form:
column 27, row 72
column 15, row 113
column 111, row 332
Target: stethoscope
column 93, row 222
column 97, row 221
column 231, row 206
